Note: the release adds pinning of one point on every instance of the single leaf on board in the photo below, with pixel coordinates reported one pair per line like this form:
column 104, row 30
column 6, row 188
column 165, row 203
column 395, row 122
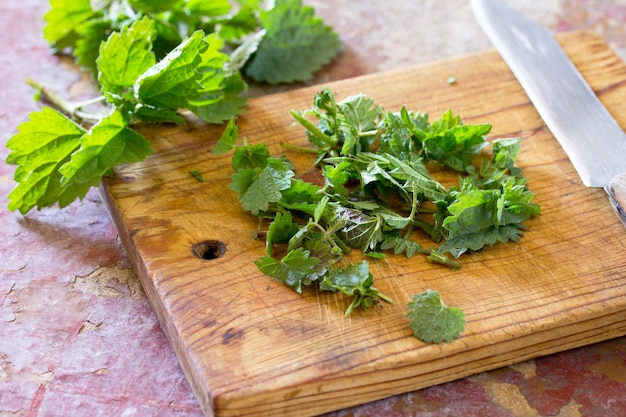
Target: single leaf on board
column 432, row 321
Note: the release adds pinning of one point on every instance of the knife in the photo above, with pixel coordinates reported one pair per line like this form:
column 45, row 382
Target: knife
column 591, row 138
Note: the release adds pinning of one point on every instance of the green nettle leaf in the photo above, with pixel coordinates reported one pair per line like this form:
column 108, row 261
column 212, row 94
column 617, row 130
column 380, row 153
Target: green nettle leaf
column 236, row 27
column 154, row 6
column 356, row 281
column 432, row 321
column 281, row 230
column 296, row 44
column 258, row 190
column 505, row 152
column 173, row 81
column 63, row 20
column 253, row 156
column 294, row 269
column 43, row 144
column 124, row 57
column 219, row 98
column 360, row 230
column 107, row 144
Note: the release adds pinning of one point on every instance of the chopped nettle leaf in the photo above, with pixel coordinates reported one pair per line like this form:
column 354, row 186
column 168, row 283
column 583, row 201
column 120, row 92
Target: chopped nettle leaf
column 294, row 270
column 260, row 187
column 432, row 321
column 377, row 194
column 356, row 281
column 153, row 59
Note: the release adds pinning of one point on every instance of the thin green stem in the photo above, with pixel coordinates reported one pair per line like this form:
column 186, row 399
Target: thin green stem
column 327, row 140
column 74, row 111
column 298, row 148
column 380, row 295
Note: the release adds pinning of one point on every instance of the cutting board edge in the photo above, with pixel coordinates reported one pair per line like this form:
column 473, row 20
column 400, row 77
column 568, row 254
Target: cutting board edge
column 386, row 381
column 189, row 368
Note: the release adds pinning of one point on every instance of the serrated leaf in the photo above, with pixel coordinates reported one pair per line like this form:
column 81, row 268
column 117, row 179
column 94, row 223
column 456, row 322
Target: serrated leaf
column 296, row 45
column 43, row 144
column 124, row 57
column 281, row 230
column 220, row 97
column 294, row 269
column 222, row 103
column 63, row 19
column 359, row 229
column 107, row 144
column 432, row 321
column 258, row 190
column 171, row 82
column 252, row 156
column 301, row 196
column 401, row 244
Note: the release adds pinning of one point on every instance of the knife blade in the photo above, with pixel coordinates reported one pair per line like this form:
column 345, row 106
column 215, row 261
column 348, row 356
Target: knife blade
column 589, row 135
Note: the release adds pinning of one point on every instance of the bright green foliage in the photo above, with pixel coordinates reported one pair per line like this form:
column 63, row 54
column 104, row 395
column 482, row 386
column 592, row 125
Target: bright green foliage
column 377, row 192
column 175, row 79
column 42, row 146
column 294, row 269
column 294, row 43
column 432, row 321
column 106, row 145
column 294, row 36
column 64, row 19
column 123, row 58
column 152, row 59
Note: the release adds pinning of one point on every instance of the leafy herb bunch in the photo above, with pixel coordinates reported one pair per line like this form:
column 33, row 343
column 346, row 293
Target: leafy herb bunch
column 151, row 59
column 376, row 192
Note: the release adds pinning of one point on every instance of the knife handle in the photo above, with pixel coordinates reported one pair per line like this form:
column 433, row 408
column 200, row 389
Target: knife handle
column 617, row 195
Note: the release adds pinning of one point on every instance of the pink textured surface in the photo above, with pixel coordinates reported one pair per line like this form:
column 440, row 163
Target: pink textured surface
column 77, row 335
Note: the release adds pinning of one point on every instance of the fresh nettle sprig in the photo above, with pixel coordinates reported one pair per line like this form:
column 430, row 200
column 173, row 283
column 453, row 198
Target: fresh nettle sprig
column 151, row 60
column 377, row 192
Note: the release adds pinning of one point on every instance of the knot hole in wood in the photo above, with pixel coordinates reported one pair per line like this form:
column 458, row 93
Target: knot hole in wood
column 209, row 249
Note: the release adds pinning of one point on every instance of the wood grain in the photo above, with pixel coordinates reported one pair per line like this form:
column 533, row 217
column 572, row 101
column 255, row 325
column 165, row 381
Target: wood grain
column 250, row 346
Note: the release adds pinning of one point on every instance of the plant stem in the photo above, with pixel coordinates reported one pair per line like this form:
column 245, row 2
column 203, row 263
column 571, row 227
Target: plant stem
column 328, row 141
column 74, row 111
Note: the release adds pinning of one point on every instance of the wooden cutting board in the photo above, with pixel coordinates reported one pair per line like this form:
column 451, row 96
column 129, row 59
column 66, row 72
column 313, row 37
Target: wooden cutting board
column 250, row 346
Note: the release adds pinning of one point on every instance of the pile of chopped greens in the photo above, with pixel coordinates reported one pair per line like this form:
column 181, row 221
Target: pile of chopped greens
column 377, row 194
column 151, row 59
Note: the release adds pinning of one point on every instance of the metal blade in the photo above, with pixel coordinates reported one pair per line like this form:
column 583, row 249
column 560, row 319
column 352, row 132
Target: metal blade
column 592, row 139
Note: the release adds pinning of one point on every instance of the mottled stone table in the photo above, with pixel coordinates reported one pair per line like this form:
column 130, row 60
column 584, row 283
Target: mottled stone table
column 78, row 337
